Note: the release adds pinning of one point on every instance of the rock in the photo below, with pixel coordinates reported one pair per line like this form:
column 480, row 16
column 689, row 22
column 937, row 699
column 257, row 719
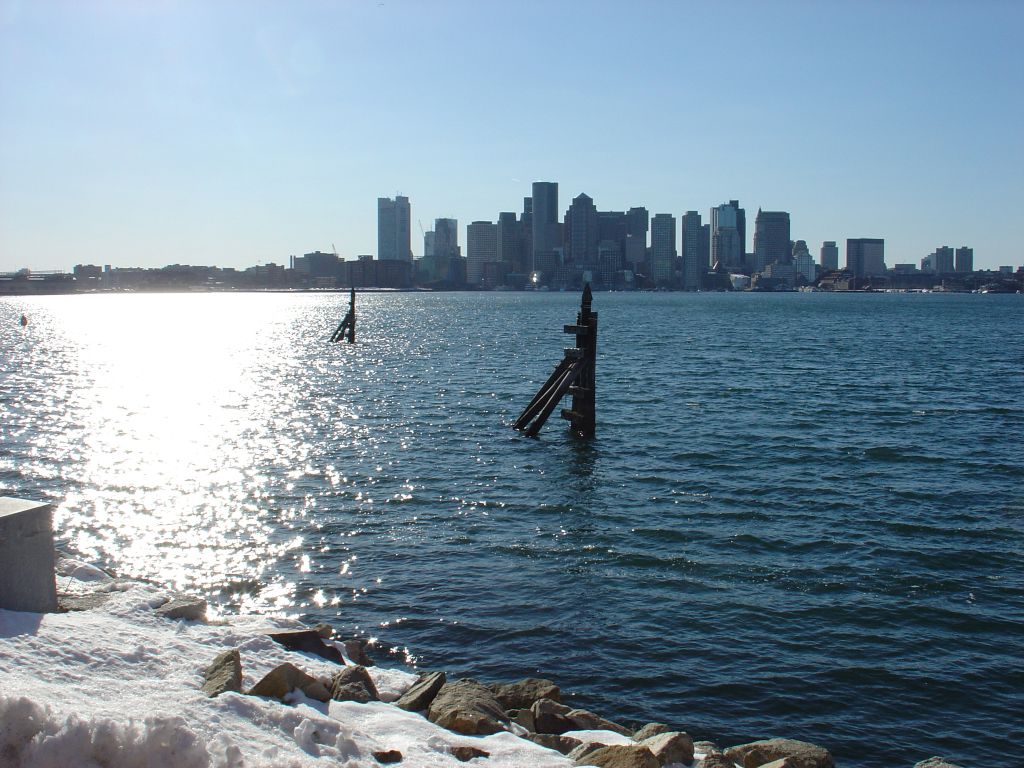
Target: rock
column 671, row 747
column 326, row 631
column 563, row 744
column 308, row 641
column 465, row 754
column 523, row 717
column 550, row 717
column 716, row 759
column 582, row 720
column 523, row 694
column 183, row 607
column 468, row 707
column 581, row 750
column 802, row 753
column 705, row 747
column 651, row 729
column 285, row 678
column 224, row 674
column 387, row 756
column 620, row 756
column 422, row 692
column 354, row 684
column 936, row 762
column 786, row 762
column 355, row 649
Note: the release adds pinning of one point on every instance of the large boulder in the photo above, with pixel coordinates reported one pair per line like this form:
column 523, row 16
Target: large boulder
column 551, row 717
column 354, row 684
column 467, row 707
column 224, row 674
column 651, row 729
column 183, row 608
column 936, row 762
column 582, row 720
column 522, row 694
column 356, row 650
column 308, row 641
column 671, row 747
column 422, row 692
column 620, row 756
column 801, row 753
column 563, row 744
column 716, row 759
column 284, row 679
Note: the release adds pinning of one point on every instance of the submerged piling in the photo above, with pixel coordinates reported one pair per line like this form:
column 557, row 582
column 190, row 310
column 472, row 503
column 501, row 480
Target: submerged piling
column 347, row 329
column 575, row 374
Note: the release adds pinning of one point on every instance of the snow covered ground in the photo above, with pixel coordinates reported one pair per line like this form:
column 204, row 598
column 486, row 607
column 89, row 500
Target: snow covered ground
column 118, row 685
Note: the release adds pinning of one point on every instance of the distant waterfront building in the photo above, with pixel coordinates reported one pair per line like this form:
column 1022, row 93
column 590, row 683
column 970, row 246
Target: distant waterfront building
column 393, row 230
column 638, row 223
column 829, row 256
column 694, row 258
column 428, row 244
column 944, row 260
column 964, row 259
column 481, row 249
column 581, row 233
column 865, row 256
column 509, row 240
column 772, row 244
column 545, row 223
column 726, row 241
column 663, row 248
column 928, row 263
column 804, row 262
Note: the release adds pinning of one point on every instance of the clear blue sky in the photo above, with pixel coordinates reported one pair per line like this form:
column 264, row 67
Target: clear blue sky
column 235, row 133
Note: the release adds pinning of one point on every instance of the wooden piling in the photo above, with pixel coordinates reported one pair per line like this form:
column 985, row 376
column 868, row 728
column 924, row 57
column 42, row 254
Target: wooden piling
column 575, row 375
column 347, row 329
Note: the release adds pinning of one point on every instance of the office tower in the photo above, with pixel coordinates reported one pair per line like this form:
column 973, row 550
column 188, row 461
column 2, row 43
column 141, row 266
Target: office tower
column 545, row 221
column 803, row 261
column 693, row 266
column 771, row 239
column 635, row 252
column 829, row 256
column 726, row 248
column 928, row 263
column 393, row 230
column 741, row 224
column 481, row 249
column 865, row 256
column 509, row 240
column 428, row 244
column 944, row 261
column 613, row 225
column 638, row 223
column 663, row 248
column 581, row 234
column 446, row 238
column 964, row 259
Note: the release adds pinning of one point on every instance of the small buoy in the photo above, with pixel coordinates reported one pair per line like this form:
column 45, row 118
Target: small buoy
column 24, row 321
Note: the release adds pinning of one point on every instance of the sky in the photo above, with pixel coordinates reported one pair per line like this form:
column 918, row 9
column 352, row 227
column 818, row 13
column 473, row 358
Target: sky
column 236, row 133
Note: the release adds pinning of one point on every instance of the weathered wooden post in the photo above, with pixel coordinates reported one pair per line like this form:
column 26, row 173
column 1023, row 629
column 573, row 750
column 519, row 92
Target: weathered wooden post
column 574, row 375
column 347, row 329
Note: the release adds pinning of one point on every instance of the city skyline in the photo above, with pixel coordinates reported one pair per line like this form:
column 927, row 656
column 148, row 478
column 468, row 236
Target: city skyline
column 235, row 134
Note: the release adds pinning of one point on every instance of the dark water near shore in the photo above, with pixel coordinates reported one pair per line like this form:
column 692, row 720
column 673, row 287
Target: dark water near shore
column 801, row 516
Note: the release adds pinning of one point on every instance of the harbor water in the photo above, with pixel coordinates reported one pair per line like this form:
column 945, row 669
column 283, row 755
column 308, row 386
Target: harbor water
column 801, row 516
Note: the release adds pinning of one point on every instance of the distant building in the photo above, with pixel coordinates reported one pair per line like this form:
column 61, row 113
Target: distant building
column 639, row 223
column 865, row 256
column 803, row 262
column 695, row 259
column 772, row 244
column 581, row 235
column 481, row 249
column 545, row 225
column 510, row 241
column 728, row 235
column 393, row 231
column 944, row 260
column 964, row 259
column 829, row 256
column 663, row 248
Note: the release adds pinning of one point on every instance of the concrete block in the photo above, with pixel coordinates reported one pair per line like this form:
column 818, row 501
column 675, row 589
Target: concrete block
column 27, row 581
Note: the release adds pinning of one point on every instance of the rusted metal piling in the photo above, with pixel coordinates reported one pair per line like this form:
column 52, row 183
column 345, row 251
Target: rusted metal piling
column 347, row 329
column 574, row 375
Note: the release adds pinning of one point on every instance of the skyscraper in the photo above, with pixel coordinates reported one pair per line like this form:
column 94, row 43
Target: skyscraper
column 944, row 260
column 726, row 246
column 393, row 231
column 865, row 256
column 693, row 265
column 772, row 244
column 964, row 259
column 829, row 256
column 481, row 248
column 638, row 223
column 663, row 248
column 545, row 221
column 581, row 233
column 509, row 240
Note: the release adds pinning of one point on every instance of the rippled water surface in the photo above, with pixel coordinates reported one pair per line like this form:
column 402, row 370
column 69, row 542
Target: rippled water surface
column 801, row 516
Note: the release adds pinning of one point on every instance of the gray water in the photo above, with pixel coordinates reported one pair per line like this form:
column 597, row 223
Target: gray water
column 801, row 515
